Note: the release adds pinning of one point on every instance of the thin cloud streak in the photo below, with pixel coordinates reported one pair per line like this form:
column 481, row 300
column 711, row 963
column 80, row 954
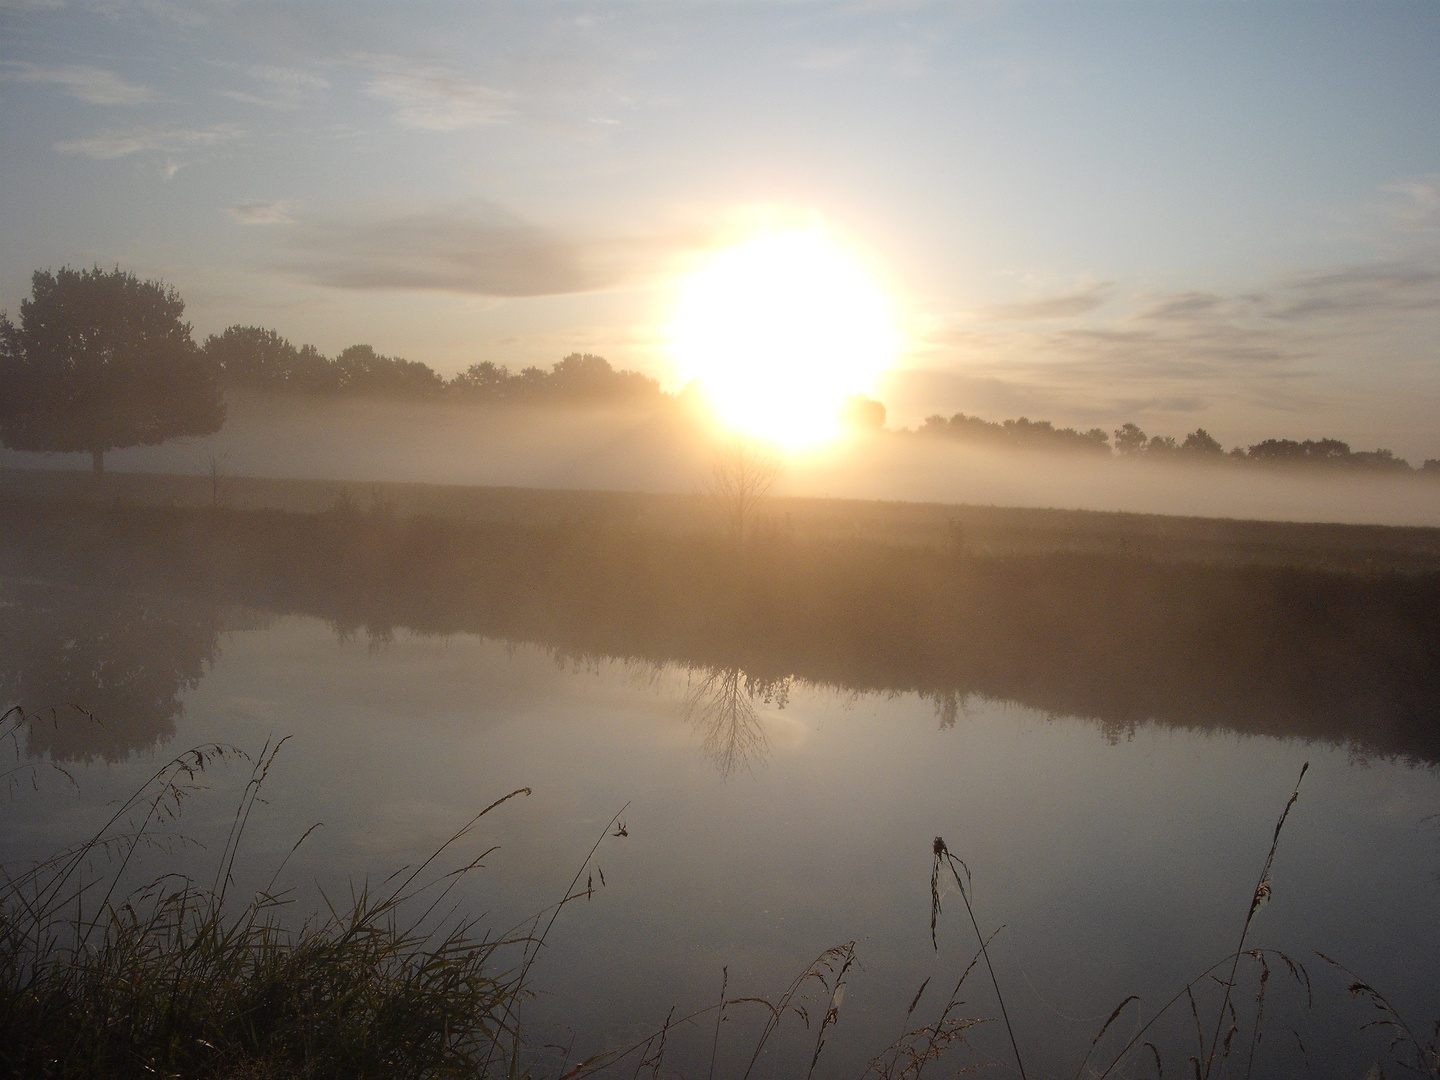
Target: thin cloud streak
column 95, row 86
column 262, row 213
column 282, row 88
column 1067, row 305
column 1182, row 351
column 431, row 97
column 108, row 145
column 435, row 253
column 485, row 252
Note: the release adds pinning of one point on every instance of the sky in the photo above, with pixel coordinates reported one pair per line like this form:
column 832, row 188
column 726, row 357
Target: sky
column 1180, row 214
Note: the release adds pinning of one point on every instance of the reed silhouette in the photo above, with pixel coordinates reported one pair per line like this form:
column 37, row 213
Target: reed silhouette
column 111, row 965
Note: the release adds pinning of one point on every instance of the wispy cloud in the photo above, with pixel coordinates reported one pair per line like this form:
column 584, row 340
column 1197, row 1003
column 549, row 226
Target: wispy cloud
column 278, row 87
column 1181, row 307
column 1267, row 348
column 1378, row 290
column 1064, row 306
column 431, row 97
column 263, row 213
column 481, row 251
column 106, row 145
column 828, row 58
column 1363, row 295
column 176, row 12
column 1418, row 209
column 93, row 85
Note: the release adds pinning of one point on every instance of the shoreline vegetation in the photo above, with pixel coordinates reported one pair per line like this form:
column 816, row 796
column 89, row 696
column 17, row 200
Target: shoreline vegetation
column 1320, row 632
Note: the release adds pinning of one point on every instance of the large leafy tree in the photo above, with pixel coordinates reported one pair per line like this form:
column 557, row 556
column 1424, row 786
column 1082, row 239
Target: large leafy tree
column 101, row 360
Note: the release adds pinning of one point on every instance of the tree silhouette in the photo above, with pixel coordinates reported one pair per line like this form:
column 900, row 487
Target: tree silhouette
column 863, row 413
column 580, row 378
column 1161, row 445
column 261, row 359
column 1129, row 439
column 100, row 360
column 1201, row 442
column 364, row 371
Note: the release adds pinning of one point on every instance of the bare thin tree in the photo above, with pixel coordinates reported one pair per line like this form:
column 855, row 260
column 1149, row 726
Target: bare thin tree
column 741, row 475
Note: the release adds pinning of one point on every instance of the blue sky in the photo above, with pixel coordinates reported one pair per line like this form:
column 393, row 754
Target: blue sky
column 1185, row 214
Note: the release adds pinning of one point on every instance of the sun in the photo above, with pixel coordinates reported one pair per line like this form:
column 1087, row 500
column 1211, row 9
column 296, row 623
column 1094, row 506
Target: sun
column 779, row 331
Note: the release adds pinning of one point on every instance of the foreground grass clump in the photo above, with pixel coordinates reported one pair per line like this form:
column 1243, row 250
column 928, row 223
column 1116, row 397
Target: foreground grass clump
column 100, row 976
column 106, row 972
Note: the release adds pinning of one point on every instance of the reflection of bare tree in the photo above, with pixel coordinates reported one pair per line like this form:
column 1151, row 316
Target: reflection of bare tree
column 721, row 703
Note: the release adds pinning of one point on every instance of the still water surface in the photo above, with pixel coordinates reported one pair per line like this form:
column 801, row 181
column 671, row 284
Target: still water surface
column 766, row 823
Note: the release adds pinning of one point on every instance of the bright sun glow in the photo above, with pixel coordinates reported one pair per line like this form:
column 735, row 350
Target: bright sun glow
column 780, row 331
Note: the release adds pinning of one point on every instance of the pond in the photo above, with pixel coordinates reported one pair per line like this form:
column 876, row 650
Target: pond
column 746, row 825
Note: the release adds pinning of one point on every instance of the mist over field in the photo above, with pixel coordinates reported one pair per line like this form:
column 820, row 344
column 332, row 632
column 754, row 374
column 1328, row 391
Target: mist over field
column 669, row 451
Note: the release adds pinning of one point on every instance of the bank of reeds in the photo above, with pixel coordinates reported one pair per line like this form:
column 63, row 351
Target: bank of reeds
column 107, row 971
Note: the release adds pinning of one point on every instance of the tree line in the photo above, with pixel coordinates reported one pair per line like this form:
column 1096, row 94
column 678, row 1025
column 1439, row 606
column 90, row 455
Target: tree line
column 1130, row 441
column 101, row 360
column 254, row 358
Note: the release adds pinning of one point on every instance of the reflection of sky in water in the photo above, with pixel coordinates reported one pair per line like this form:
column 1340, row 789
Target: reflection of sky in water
column 1116, row 868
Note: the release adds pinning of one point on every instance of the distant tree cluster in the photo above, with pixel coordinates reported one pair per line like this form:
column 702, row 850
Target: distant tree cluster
column 1326, row 452
column 258, row 359
column 1330, row 453
column 1024, row 432
column 579, row 377
column 100, row 360
column 1132, row 442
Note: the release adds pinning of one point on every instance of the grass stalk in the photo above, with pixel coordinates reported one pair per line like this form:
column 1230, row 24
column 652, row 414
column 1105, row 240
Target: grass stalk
column 944, row 859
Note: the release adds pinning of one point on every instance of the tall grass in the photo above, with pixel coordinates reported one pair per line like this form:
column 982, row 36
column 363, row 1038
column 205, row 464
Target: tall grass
column 1213, row 1057
column 109, row 971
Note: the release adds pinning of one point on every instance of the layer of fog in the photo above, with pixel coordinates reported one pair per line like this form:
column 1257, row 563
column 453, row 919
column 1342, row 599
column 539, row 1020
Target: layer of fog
column 356, row 440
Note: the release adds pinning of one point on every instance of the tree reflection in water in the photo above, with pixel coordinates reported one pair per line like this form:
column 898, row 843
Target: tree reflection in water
column 721, row 704
column 99, row 673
